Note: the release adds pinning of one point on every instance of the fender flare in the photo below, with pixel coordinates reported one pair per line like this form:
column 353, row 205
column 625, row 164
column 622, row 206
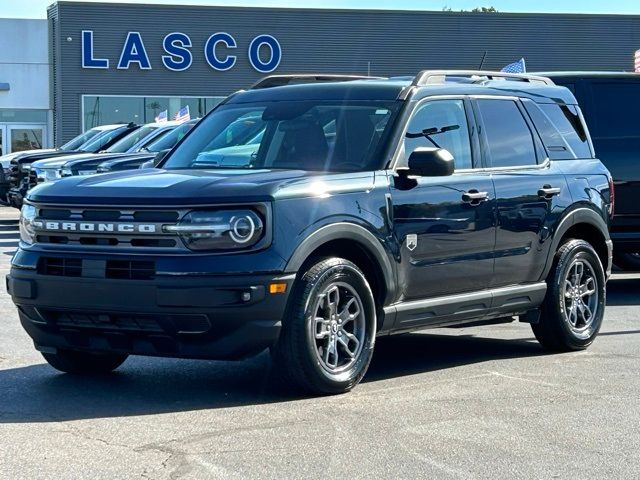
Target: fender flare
column 346, row 231
column 574, row 217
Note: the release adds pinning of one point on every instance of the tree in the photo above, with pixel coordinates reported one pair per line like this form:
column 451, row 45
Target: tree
column 474, row 10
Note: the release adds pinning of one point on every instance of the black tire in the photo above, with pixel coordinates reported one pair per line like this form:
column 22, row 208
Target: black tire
column 302, row 359
column 627, row 261
column 84, row 363
column 556, row 331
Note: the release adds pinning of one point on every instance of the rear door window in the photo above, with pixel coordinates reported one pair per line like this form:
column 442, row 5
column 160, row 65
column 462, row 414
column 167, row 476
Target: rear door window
column 509, row 141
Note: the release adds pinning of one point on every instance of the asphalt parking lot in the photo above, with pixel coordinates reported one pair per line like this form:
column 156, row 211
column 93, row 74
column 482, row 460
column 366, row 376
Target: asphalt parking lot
column 483, row 402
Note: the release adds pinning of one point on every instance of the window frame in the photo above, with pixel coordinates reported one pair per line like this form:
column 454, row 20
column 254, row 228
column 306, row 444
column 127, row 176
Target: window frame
column 542, row 160
column 476, row 157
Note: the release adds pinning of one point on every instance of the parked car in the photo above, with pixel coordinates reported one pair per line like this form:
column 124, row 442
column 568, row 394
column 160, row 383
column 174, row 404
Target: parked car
column 19, row 179
column 86, row 163
column 610, row 102
column 444, row 200
column 72, row 145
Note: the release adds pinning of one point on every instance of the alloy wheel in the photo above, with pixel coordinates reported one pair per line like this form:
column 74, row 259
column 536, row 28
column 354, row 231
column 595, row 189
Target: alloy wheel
column 580, row 296
column 337, row 327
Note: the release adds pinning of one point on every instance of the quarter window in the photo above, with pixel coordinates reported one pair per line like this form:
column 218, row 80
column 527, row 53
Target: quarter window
column 441, row 124
column 509, row 140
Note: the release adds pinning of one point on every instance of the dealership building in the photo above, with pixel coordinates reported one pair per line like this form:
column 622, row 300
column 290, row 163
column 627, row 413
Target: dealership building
column 97, row 63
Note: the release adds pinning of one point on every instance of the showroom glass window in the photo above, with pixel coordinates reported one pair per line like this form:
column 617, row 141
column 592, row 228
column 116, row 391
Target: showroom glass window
column 104, row 110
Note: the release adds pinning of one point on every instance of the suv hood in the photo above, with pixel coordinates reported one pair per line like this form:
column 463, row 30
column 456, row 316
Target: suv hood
column 196, row 187
column 40, row 155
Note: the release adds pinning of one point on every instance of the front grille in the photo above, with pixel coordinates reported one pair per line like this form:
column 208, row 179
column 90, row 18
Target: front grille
column 60, row 267
column 127, row 322
column 144, row 228
column 15, row 175
column 130, row 269
column 113, row 269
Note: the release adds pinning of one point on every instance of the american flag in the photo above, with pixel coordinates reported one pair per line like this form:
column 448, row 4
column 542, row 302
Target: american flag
column 162, row 117
column 637, row 61
column 516, row 67
column 183, row 115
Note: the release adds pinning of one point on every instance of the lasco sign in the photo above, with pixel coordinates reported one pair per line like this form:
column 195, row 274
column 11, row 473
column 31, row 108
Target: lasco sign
column 264, row 52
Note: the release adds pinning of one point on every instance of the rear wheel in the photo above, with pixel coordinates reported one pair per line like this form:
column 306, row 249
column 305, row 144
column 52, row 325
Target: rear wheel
column 84, row 363
column 328, row 334
column 627, row 261
column 573, row 309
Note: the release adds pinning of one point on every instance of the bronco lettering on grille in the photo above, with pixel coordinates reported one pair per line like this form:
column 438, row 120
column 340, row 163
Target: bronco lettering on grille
column 95, row 227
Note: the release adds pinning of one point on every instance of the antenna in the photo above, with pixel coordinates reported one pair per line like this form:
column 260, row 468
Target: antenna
column 484, row 55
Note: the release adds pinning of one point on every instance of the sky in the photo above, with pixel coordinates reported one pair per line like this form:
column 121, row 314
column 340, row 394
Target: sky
column 38, row 8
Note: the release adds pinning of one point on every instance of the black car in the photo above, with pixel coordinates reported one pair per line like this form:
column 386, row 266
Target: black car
column 610, row 102
column 19, row 176
column 371, row 207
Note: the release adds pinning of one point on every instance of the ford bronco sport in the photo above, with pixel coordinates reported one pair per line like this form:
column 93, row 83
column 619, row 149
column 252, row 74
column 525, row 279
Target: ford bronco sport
column 369, row 207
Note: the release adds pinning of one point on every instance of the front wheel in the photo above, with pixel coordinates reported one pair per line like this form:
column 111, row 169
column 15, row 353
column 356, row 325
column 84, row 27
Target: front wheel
column 573, row 309
column 328, row 334
column 84, row 363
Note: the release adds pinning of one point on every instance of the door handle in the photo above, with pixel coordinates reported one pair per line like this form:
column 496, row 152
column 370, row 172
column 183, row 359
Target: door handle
column 547, row 191
column 474, row 197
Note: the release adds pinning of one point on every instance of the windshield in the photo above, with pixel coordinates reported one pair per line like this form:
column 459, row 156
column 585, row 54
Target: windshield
column 305, row 135
column 128, row 141
column 99, row 141
column 78, row 141
column 169, row 140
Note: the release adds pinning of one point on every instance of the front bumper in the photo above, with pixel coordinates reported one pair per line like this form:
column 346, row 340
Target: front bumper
column 215, row 317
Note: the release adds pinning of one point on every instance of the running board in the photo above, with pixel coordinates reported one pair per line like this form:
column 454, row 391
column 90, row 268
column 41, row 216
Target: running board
column 484, row 304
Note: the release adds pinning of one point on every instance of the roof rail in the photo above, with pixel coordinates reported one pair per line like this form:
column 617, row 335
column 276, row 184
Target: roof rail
column 281, row 80
column 435, row 77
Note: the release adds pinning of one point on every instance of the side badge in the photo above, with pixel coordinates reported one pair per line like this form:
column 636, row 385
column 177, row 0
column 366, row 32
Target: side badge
column 412, row 241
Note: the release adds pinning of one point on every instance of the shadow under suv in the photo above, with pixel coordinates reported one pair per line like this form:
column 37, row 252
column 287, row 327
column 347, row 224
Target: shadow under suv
column 369, row 207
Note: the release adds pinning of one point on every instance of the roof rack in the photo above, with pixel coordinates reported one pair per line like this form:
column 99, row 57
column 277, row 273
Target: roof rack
column 281, row 80
column 435, row 77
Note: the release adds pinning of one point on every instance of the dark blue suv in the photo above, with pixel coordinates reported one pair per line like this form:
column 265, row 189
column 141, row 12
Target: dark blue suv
column 363, row 207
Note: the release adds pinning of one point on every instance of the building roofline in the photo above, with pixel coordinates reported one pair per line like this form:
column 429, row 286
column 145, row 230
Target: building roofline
column 346, row 10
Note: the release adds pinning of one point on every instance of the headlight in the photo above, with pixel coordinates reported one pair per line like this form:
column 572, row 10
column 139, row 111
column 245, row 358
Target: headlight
column 47, row 174
column 219, row 230
column 27, row 216
column 66, row 172
column 25, row 167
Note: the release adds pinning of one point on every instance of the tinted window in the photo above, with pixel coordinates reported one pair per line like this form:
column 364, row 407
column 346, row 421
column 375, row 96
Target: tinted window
column 130, row 140
column 76, row 142
column 441, row 124
column 616, row 108
column 510, row 143
column 568, row 123
column 100, row 141
column 168, row 141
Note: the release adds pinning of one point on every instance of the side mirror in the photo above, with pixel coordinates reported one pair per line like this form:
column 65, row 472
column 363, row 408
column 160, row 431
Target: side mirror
column 431, row 162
